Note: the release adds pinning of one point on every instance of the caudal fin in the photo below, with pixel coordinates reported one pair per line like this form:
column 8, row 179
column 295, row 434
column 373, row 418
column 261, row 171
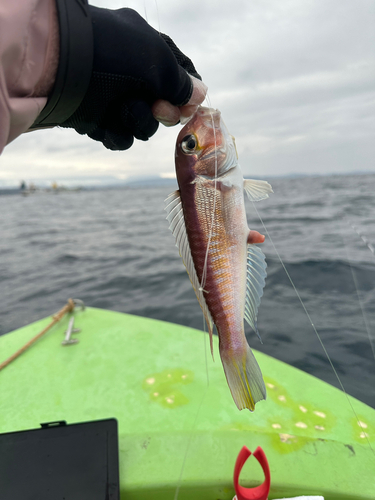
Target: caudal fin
column 244, row 379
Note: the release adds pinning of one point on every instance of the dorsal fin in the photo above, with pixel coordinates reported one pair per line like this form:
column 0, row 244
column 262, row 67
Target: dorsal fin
column 255, row 281
column 175, row 217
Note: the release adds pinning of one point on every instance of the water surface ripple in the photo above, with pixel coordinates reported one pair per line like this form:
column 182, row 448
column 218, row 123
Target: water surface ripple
column 113, row 249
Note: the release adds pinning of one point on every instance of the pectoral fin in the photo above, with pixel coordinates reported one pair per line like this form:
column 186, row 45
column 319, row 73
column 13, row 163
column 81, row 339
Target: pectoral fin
column 257, row 190
column 255, row 237
column 255, row 281
column 175, row 217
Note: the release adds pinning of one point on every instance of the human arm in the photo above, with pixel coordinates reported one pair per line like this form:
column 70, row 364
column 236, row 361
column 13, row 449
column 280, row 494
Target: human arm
column 29, row 45
column 136, row 72
column 146, row 66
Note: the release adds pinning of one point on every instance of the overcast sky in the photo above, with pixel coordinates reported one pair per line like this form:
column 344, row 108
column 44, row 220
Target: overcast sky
column 294, row 80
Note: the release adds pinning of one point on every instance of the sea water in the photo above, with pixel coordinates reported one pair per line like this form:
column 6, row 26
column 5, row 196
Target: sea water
column 112, row 249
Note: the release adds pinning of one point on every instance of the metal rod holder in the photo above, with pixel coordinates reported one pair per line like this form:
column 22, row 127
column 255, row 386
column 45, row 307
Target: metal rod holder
column 68, row 340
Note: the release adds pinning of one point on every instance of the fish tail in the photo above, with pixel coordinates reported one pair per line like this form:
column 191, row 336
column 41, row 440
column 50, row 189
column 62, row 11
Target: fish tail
column 244, row 378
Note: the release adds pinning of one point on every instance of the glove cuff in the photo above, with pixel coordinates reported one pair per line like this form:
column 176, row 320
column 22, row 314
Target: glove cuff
column 75, row 63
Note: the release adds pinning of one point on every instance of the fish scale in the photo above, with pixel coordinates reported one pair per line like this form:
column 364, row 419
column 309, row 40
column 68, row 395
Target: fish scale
column 224, row 315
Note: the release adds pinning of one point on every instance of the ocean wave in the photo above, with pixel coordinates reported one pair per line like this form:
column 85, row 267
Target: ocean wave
column 322, row 275
column 116, row 252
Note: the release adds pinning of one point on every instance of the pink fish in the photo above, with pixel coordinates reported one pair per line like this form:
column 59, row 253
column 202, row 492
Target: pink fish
column 227, row 270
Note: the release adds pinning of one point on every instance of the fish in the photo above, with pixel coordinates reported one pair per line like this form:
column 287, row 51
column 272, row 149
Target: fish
column 226, row 267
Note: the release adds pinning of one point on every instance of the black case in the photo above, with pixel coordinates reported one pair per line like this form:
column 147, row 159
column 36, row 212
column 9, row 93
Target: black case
column 61, row 462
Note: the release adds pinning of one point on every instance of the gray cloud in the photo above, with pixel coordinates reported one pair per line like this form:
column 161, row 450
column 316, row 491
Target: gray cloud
column 294, row 81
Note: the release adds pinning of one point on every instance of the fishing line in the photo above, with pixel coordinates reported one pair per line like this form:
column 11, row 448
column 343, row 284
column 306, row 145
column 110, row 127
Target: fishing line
column 364, row 316
column 205, row 350
column 157, row 14
column 315, row 330
column 363, row 238
column 204, row 273
column 145, row 9
column 179, row 481
column 201, row 288
column 189, row 444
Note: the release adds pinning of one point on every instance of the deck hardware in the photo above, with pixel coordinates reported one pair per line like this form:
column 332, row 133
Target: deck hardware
column 79, row 303
column 68, row 333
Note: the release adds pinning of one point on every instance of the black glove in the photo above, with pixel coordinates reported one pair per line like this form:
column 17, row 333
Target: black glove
column 133, row 66
column 113, row 66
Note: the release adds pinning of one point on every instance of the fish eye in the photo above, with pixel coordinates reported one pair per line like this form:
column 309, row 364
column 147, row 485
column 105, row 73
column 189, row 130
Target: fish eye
column 188, row 144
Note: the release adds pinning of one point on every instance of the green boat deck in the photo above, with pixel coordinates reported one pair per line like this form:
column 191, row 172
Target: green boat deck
column 152, row 377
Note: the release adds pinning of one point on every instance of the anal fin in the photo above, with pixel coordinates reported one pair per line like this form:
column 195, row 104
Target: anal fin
column 255, row 281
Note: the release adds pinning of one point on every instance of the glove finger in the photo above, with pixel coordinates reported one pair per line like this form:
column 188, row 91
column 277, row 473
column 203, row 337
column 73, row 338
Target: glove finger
column 112, row 139
column 199, row 92
column 169, row 115
column 137, row 116
column 186, row 113
column 118, row 140
column 182, row 60
column 165, row 113
column 97, row 134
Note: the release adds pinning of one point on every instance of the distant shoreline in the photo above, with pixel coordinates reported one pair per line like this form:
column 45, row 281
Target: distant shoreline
column 97, row 183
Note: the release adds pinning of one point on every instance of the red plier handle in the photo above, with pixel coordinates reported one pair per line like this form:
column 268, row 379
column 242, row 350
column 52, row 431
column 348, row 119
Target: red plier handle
column 259, row 492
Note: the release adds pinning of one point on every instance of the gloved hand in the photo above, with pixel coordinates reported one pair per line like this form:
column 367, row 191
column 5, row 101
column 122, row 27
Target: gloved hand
column 135, row 70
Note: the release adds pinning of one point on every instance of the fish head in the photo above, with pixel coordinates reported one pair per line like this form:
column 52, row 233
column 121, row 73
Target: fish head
column 204, row 147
